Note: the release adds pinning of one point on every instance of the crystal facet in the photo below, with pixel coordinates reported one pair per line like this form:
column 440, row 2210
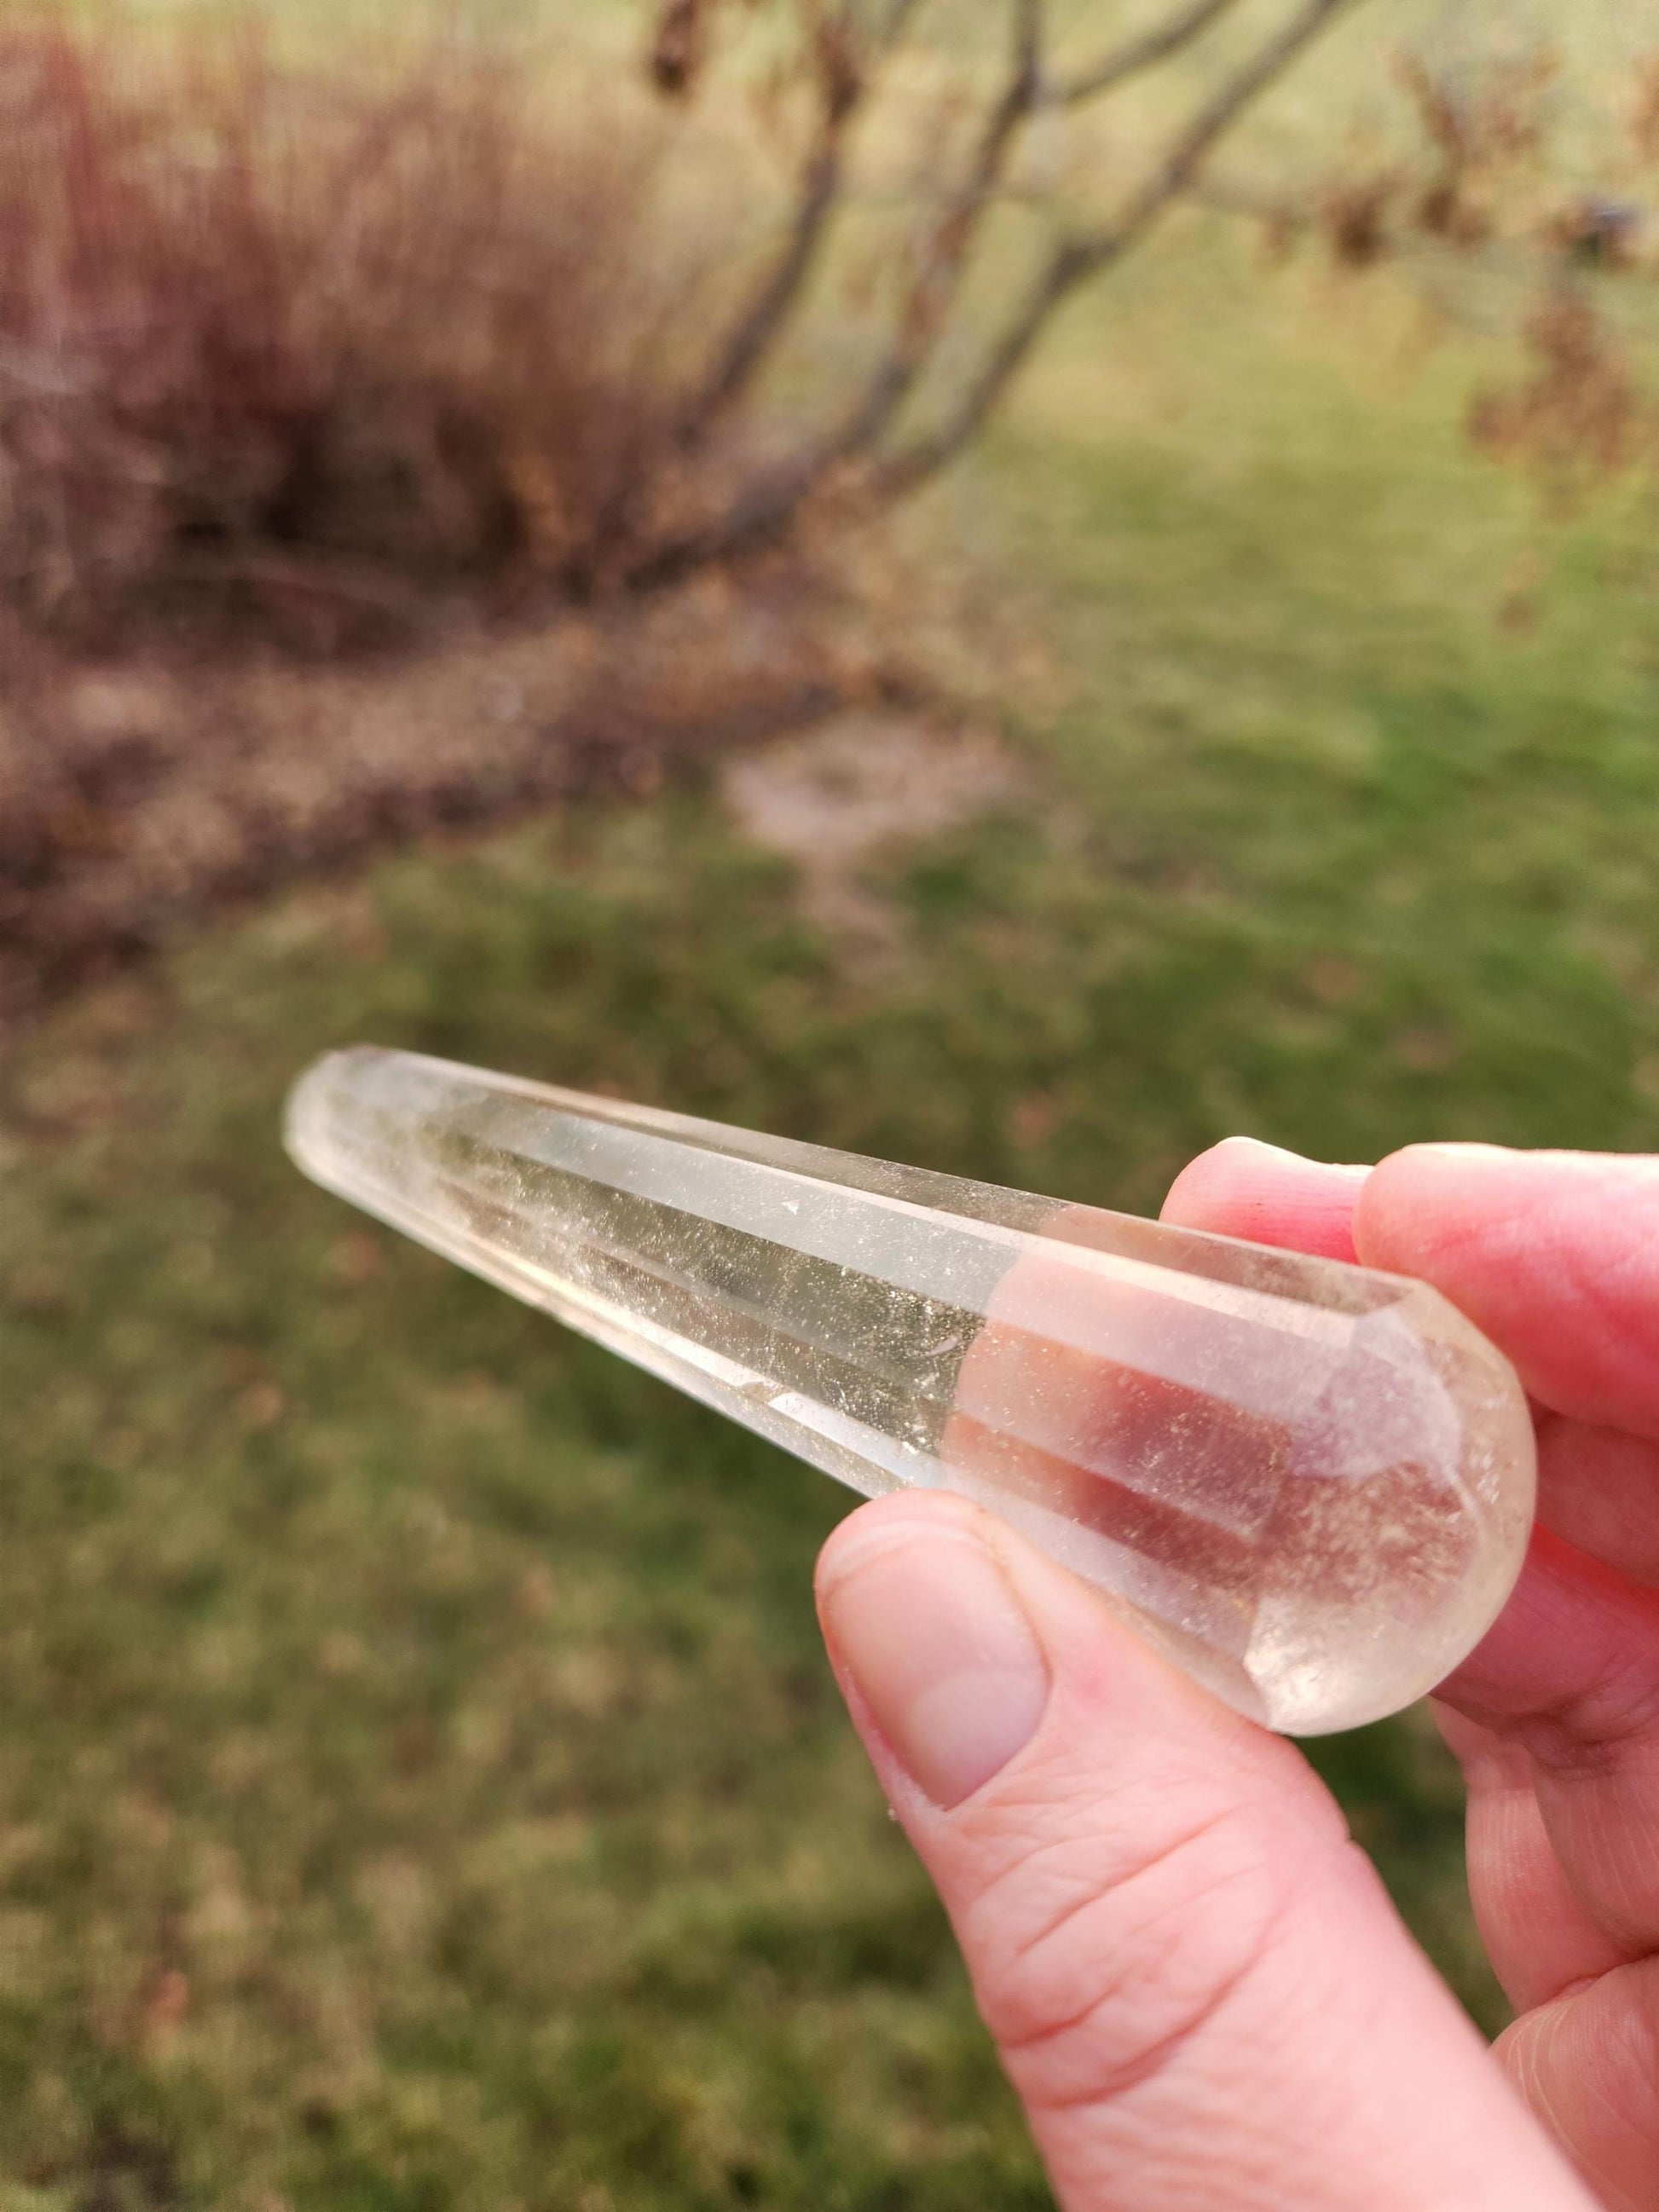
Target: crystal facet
column 1310, row 1484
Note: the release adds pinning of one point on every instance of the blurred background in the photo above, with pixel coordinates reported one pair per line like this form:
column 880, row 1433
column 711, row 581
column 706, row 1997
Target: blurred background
column 1016, row 586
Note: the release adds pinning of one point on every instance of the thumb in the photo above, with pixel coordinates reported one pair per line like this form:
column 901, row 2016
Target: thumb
column 1196, row 1981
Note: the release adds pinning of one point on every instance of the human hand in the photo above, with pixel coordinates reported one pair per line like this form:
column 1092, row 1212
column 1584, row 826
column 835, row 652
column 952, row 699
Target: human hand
column 1198, row 1986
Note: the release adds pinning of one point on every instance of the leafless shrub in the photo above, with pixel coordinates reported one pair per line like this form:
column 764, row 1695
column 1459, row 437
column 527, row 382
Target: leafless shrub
column 302, row 351
column 307, row 355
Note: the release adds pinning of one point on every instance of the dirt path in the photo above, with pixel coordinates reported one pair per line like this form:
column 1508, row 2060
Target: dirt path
column 857, row 792
column 137, row 799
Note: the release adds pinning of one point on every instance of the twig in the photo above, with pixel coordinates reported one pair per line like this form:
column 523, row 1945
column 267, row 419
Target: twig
column 765, row 316
column 1077, row 258
column 1185, row 157
column 1144, row 53
column 762, row 511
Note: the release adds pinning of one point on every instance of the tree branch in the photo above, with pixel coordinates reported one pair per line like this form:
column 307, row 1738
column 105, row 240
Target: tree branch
column 1077, row 258
column 842, row 78
column 762, row 320
column 912, row 464
column 1217, row 115
column 1144, row 53
column 760, row 325
column 937, row 279
column 762, row 511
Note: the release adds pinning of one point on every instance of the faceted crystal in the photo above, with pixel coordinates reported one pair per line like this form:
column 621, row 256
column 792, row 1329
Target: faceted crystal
column 1310, row 1484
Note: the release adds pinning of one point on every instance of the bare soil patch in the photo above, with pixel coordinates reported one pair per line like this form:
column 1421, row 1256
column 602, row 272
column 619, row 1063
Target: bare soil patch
column 865, row 787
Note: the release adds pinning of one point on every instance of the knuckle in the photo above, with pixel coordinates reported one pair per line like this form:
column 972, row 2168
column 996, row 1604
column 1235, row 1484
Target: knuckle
column 1093, row 1977
column 1588, row 2064
column 1597, row 1731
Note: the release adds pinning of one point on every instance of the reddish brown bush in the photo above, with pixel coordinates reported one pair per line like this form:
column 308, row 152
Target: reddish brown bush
column 309, row 352
column 283, row 350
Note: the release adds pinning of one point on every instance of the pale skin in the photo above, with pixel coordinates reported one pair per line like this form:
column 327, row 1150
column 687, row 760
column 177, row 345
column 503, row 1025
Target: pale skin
column 1198, row 1986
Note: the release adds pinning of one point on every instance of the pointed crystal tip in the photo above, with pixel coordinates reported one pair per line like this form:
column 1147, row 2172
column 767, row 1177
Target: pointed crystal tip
column 1310, row 1484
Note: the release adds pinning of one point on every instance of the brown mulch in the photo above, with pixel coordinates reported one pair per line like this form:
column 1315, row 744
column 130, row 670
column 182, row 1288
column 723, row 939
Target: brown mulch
column 138, row 798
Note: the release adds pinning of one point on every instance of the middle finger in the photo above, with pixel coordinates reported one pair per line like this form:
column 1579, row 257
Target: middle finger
column 1569, row 1675
column 1539, row 1934
column 1599, row 1489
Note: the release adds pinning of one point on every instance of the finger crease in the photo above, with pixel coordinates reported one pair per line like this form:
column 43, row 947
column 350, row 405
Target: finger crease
column 1107, row 2083
column 1175, row 1848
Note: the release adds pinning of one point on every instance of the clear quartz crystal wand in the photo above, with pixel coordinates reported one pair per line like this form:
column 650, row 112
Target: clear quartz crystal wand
column 1310, row 1484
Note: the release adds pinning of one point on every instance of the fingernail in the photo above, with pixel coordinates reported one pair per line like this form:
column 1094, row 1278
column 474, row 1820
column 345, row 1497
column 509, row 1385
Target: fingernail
column 929, row 1630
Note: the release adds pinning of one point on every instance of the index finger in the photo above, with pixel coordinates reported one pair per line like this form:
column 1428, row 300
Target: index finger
column 1553, row 1256
column 1243, row 1189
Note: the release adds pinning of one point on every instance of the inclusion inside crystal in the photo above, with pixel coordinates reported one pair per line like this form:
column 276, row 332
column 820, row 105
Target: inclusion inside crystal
column 1310, row 1483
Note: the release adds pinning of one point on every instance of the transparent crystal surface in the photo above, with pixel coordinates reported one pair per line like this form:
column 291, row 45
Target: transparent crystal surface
column 1310, row 1484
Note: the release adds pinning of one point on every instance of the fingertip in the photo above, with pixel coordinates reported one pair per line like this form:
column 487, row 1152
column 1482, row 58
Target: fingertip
column 1554, row 1255
column 1422, row 1202
column 1243, row 1187
column 915, row 1540
column 943, row 1668
column 879, row 1521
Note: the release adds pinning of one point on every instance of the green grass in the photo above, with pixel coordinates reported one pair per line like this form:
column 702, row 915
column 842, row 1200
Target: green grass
column 420, row 1784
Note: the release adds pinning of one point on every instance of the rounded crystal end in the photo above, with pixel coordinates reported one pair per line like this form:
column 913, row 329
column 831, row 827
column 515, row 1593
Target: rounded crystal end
column 1403, row 1524
column 1315, row 1503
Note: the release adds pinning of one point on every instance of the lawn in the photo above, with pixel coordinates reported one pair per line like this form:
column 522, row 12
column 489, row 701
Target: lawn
column 421, row 1784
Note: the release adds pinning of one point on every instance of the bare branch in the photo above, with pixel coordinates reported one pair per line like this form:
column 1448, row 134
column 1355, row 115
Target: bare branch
column 1028, row 43
column 763, row 510
column 843, row 80
column 937, row 279
column 1144, row 53
column 762, row 320
column 913, row 463
column 1217, row 115
column 1077, row 258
